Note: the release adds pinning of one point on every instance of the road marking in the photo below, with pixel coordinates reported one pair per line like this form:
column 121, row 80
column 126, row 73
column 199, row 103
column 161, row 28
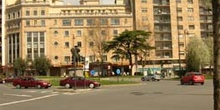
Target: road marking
column 18, row 95
column 28, row 100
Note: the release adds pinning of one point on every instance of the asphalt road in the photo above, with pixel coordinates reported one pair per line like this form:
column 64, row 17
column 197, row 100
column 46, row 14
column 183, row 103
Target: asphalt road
column 162, row 95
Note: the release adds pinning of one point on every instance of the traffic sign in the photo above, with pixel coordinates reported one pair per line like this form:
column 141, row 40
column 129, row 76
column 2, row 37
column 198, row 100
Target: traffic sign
column 92, row 72
column 118, row 71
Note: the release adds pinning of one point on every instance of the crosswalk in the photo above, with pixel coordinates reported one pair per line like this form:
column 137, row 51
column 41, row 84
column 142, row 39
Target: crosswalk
column 61, row 92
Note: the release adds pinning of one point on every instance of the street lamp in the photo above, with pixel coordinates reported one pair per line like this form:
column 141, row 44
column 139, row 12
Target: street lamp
column 180, row 72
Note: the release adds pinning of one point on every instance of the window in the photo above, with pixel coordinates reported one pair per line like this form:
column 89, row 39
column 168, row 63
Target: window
column 35, row 22
column 42, row 12
column 27, row 23
column 190, row 1
column 190, row 18
column 180, row 27
column 78, row 33
column 27, row 13
column 90, row 22
column 35, row 12
column 67, row 58
column 190, row 10
column 179, row 10
column 18, row 13
column 66, row 22
column 91, row 32
column 67, row 44
column 144, row 10
column 178, row 1
column 66, row 33
column 55, row 22
column 91, row 44
column 115, row 32
column 191, row 27
column 103, row 32
column 55, row 43
column 79, row 22
column 79, row 44
column 42, row 22
column 180, row 18
column 103, row 21
column 144, row 1
column 55, row 33
column 115, row 21
column 144, row 18
column 56, row 57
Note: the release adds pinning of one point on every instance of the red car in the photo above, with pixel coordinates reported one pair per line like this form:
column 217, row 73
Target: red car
column 192, row 78
column 28, row 81
column 2, row 80
column 78, row 82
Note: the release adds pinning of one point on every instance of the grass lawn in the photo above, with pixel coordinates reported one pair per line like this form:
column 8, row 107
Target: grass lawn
column 54, row 80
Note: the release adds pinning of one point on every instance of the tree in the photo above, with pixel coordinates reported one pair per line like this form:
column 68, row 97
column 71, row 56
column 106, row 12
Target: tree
column 129, row 42
column 216, row 35
column 209, row 43
column 41, row 65
column 197, row 54
column 20, row 65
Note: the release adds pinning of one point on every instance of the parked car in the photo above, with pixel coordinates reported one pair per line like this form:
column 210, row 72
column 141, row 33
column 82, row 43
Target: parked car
column 77, row 81
column 2, row 81
column 192, row 78
column 29, row 81
column 10, row 79
column 152, row 77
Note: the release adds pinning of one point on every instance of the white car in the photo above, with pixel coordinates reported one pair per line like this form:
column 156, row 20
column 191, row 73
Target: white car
column 152, row 77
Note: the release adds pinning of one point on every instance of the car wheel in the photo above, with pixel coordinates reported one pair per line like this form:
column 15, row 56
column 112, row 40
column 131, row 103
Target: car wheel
column 202, row 83
column 91, row 85
column 18, row 86
column 67, row 86
column 39, row 86
column 191, row 82
column 181, row 82
column 142, row 79
column 158, row 80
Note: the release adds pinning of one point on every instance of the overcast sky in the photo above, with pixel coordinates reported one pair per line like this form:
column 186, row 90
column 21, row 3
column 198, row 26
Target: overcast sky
column 77, row 1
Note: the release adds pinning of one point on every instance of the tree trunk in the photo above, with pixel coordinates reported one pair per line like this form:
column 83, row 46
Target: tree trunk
column 216, row 78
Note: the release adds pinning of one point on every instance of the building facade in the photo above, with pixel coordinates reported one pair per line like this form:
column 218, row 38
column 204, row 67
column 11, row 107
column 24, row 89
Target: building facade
column 51, row 28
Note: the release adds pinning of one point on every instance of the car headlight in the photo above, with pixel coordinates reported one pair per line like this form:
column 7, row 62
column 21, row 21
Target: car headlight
column 44, row 83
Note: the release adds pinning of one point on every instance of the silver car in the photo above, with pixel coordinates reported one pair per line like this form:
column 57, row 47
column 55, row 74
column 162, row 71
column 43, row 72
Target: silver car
column 151, row 77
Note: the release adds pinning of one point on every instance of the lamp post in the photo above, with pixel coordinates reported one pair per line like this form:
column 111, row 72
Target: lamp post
column 180, row 72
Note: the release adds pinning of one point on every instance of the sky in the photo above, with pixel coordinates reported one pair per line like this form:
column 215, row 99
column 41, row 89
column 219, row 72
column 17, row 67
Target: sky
column 77, row 1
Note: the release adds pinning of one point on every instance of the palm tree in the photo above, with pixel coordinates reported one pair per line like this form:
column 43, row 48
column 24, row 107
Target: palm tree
column 216, row 34
column 129, row 43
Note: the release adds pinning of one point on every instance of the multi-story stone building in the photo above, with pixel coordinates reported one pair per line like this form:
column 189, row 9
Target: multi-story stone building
column 51, row 28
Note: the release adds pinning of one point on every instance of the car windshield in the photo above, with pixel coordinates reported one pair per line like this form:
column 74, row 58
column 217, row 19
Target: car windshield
column 37, row 79
column 197, row 74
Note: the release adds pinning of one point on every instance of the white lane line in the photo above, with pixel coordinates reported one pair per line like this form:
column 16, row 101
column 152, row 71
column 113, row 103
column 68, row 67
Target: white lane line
column 18, row 95
column 33, row 99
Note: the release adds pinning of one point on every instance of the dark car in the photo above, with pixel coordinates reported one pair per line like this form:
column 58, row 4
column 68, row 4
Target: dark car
column 192, row 78
column 28, row 81
column 78, row 82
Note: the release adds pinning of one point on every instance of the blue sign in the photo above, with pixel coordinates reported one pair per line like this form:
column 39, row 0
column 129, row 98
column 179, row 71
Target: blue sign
column 92, row 72
column 118, row 71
